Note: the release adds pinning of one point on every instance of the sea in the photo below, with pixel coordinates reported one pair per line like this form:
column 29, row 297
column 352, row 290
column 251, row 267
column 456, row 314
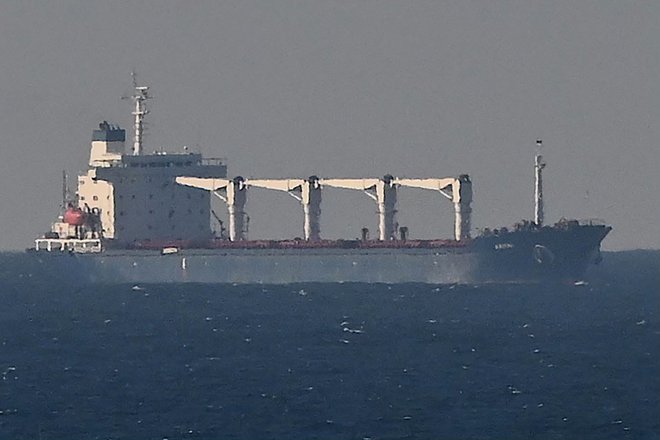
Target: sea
column 332, row 361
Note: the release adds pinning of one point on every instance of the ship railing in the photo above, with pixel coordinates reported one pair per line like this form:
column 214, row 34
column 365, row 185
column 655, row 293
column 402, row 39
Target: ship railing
column 592, row 222
column 107, row 163
column 119, row 163
column 78, row 246
column 214, row 161
column 569, row 223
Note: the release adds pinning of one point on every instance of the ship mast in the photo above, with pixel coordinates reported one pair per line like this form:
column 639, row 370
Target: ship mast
column 65, row 191
column 538, row 184
column 139, row 97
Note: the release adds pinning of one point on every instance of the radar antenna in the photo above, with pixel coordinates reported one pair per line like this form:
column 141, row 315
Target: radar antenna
column 139, row 97
column 538, row 184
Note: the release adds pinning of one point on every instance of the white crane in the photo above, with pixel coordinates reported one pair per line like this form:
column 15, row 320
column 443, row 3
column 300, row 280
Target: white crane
column 456, row 189
column 383, row 191
column 232, row 192
column 308, row 193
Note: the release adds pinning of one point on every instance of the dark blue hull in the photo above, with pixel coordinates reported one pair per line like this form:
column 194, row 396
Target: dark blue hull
column 532, row 255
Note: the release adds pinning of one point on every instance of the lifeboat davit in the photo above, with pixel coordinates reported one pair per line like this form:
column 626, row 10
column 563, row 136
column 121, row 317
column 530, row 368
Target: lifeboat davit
column 74, row 216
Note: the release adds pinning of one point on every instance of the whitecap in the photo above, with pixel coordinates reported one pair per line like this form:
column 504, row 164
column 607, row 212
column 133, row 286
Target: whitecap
column 350, row 330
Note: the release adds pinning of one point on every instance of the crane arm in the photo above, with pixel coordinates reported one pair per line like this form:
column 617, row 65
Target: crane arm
column 359, row 184
column 276, row 184
column 432, row 184
column 203, row 183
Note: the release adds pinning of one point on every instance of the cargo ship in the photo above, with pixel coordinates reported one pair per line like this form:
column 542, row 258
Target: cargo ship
column 147, row 218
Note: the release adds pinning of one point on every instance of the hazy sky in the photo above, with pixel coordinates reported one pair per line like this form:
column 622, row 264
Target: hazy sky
column 347, row 89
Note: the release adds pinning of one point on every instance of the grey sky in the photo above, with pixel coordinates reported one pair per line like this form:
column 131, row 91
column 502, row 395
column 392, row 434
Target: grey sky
column 347, row 89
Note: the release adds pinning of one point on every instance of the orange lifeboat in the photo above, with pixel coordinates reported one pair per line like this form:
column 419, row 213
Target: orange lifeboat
column 74, row 216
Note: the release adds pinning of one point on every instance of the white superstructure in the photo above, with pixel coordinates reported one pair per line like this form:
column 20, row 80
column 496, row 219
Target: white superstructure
column 108, row 148
column 136, row 194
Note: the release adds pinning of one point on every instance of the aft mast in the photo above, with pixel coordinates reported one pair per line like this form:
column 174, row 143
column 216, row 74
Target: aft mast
column 139, row 97
column 65, row 191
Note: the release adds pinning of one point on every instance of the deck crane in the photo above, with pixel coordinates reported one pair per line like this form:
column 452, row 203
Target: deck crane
column 382, row 191
column 456, row 189
column 308, row 192
column 230, row 191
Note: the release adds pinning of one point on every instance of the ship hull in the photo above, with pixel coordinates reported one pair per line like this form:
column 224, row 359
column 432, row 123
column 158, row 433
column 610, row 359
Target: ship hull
column 521, row 256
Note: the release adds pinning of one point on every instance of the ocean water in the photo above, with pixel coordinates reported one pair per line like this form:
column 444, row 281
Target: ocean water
column 332, row 361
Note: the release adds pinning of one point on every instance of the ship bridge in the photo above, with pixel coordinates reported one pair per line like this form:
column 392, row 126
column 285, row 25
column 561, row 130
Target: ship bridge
column 383, row 191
